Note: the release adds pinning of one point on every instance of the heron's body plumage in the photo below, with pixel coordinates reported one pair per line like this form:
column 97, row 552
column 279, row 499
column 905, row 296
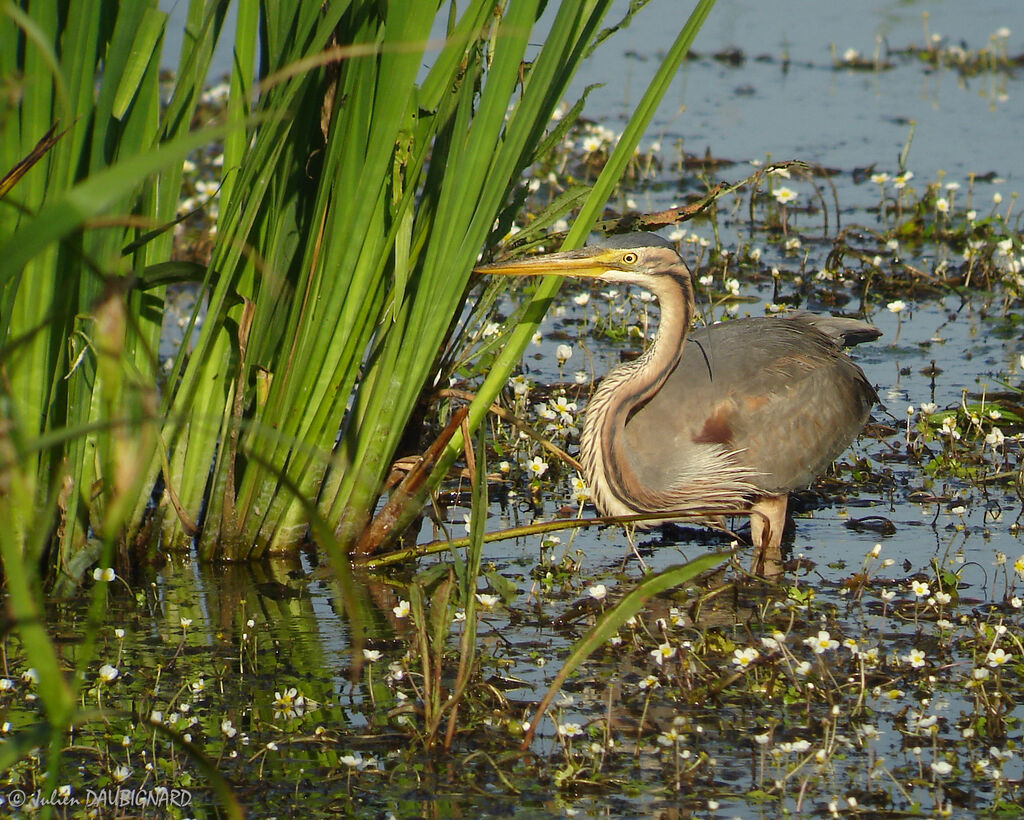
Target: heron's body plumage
column 730, row 417
column 777, row 395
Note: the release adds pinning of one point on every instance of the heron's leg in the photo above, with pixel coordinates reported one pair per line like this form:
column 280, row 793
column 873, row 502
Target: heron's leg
column 767, row 520
column 630, row 529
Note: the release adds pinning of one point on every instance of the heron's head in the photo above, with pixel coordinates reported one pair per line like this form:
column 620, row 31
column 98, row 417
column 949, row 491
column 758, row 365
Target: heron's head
column 633, row 258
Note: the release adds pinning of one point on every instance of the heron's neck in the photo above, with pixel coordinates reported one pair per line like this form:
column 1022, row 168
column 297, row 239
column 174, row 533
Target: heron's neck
column 627, row 387
column 638, row 380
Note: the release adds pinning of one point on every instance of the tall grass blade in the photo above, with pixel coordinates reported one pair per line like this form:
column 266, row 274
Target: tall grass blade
column 610, row 621
column 509, row 357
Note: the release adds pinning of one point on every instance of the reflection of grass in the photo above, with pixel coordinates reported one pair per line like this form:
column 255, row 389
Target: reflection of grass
column 836, row 689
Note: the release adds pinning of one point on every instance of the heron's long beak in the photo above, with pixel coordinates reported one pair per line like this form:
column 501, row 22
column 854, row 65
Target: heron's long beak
column 584, row 263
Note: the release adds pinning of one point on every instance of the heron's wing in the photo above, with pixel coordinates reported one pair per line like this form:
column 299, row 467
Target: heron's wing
column 777, row 393
column 846, row 332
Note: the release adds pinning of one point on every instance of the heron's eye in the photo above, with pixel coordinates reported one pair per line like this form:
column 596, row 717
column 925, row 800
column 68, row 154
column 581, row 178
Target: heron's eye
column 629, row 258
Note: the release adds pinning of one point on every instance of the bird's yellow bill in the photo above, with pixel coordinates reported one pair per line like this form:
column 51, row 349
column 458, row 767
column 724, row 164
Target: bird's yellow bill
column 582, row 262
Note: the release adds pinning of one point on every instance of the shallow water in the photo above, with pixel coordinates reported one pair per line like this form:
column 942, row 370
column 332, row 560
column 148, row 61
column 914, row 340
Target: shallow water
column 938, row 350
column 748, row 110
column 836, row 118
column 847, row 119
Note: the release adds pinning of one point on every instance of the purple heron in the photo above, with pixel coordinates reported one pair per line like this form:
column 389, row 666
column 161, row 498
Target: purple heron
column 730, row 417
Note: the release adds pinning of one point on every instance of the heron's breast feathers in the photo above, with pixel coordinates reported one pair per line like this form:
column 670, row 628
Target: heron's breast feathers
column 711, row 479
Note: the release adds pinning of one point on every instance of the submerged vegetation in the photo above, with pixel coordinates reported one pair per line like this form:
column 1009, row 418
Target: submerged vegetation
column 867, row 685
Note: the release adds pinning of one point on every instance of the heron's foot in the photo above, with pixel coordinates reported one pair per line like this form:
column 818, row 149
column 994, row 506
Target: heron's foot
column 767, row 562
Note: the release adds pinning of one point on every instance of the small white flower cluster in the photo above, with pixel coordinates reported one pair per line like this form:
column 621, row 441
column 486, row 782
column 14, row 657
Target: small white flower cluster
column 597, row 138
column 289, row 703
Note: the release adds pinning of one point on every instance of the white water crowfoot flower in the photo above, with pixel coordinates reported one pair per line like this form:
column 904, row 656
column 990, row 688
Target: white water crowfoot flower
column 897, row 306
column 359, row 763
column 562, row 354
column 775, row 642
column 487, row 601
column 545, row 412
column 916, row 658
column 795, row 747
column 900, row 182
column 108, row 673
column 105, row 574
column 745, row 657
column 563, row 408
column 580, row 490
column 289, row 704
column 921, row 589
column 784, row 195
column 664, row 652
column 670, row 737
column 597, row 592
column 997, row 657
column 520, row 385
column 537, row 466
column 949, row 428
column 402, row 610
column 650, row 682
column 822, row 642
